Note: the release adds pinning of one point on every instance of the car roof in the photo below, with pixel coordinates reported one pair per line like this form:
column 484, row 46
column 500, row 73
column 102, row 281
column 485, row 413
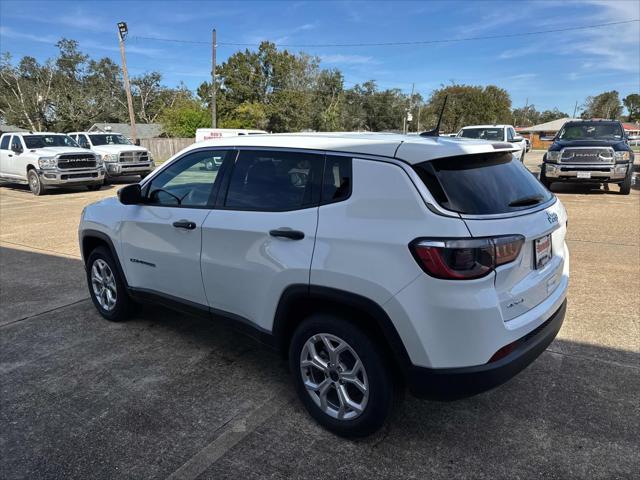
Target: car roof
column 409, row 148
column 94, row 133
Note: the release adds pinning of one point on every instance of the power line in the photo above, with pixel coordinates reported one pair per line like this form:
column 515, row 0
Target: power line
column 395, row 44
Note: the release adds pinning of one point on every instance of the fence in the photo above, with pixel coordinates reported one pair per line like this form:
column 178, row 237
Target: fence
column 163, row 148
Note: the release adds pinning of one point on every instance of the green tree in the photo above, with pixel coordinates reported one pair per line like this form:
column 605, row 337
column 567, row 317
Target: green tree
column 184, row 117
column 632, row 104
column 605, row 105
column 246, row 115
column 550, row 115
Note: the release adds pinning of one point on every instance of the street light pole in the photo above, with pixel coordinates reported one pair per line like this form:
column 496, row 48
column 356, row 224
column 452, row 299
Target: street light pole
column 122, row 34
column 213, row 81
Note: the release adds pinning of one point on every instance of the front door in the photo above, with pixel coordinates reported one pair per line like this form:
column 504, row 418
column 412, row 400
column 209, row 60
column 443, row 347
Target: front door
column 162, row 238
column 261, row 236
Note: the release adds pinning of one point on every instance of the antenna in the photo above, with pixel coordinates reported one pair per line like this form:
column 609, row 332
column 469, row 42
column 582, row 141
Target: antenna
column 436, row 131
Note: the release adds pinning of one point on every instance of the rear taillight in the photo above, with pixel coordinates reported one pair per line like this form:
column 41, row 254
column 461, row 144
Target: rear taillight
column 463, row 259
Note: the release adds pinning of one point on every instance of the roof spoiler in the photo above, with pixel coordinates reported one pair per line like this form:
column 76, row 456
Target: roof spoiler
column 436, row 131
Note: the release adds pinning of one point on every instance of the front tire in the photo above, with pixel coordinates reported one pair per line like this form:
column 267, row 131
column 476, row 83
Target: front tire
column 625, row 187
column 35, row 184
column 544, row 179
column 341, row 376
column 106, row 286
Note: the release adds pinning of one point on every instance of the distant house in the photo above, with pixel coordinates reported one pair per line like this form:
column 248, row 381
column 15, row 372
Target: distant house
column 5, row 128
column 548, row 129
column 143, row 130
column 632, row 129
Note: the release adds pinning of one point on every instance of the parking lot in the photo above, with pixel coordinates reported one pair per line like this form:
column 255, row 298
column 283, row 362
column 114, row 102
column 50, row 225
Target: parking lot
column 166, row 395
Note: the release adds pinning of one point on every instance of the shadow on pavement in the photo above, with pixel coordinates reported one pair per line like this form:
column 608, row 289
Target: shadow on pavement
column 87, row 398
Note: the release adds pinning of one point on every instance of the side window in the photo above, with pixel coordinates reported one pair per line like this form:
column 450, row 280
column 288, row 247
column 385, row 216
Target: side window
column 82, row 141
column 16, row 144
column 336, row 184
column 192, row 181
column 510, row 134
column 4, row 144
column 274, row 181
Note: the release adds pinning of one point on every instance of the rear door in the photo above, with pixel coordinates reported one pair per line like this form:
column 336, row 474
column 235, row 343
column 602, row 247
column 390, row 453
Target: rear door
column 161, row 239
column 260, row 237
column 5, row 154
column 496, row 195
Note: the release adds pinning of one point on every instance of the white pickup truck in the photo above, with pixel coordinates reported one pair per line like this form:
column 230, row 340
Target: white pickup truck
column 497, row 133
column 120, row 156
column 44, row 160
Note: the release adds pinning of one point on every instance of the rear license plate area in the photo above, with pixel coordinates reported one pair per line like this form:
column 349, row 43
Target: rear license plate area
column 542, row 251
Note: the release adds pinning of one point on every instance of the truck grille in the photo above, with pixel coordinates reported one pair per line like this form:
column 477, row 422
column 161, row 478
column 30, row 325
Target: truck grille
column 134, row 157
column 76, row 160
column 587, row 155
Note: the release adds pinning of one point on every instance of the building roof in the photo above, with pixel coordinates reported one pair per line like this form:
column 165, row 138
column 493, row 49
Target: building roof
column 143, row 130
column 5, row 128
column 627, row 126
column 410, row 148
column 552, row 126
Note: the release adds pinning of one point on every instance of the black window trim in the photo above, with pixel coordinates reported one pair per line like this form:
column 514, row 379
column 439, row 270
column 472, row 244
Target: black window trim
column 233, row 155
column 337, row 200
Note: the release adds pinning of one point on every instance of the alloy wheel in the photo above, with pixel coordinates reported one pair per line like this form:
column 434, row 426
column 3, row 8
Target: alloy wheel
column 334, row 376
column 104, row 285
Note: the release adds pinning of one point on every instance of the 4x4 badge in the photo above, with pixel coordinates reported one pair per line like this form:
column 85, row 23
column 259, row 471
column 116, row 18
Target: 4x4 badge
column 552, row 217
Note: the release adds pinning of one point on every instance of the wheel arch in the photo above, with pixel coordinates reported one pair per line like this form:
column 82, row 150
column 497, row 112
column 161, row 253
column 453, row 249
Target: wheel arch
column 92, row 239
column 299, row 301
column 31, row 166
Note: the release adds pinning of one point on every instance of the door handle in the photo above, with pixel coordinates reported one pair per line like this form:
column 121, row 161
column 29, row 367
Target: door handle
column 287, row 233
column 186, row 224
column 9, row 155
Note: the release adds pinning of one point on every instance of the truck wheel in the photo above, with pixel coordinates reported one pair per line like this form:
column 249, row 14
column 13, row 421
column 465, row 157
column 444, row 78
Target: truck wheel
column 93, row 188
column 35, row 185
column 543, row 178
column 340, row 375
column 106, row 286
column 625, row 187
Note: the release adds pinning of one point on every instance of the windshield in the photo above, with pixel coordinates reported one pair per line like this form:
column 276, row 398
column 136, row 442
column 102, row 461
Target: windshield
column 109, row 139
column 483, row 133
column 482, row 184
column 591, row 131
column 42, row 141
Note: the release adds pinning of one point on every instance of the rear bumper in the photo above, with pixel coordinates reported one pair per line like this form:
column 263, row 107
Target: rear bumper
column 453, row 383
column 571, row 172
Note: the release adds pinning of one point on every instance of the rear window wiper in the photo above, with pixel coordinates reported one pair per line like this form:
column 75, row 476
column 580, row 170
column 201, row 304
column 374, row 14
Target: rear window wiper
column 525, row 201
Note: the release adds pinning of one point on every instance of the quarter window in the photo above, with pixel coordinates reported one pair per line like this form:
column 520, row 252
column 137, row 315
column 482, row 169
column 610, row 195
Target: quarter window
column 336, row 184
column 274, row 181
column 4, row 145
column 192, row 181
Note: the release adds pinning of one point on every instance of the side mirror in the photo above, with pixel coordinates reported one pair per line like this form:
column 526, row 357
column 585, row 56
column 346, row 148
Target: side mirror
column 130, row 195
column 517, row 139
column 137, row 142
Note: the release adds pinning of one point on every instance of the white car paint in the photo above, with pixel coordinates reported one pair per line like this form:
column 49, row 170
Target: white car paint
column 359, row 245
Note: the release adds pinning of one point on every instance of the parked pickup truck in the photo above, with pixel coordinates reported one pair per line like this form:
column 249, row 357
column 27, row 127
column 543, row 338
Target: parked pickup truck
column 120, row 156
column 44, row 160
column 497, row 133
column 589, row 151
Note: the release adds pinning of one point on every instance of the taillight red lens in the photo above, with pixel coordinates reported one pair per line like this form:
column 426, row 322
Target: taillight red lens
column 462, row 259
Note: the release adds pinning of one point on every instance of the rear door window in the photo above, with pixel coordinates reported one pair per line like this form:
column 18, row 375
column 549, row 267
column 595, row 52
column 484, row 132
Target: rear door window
column 336, row 184
column 482, row 184
column 274, row 181
column 4, row 144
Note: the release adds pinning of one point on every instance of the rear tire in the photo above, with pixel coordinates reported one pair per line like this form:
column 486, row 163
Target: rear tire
column 625, row 187
column 35, row 184
column 107, row 287
column 350, row 391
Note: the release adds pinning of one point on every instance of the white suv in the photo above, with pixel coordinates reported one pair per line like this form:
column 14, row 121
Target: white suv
column 369, row 260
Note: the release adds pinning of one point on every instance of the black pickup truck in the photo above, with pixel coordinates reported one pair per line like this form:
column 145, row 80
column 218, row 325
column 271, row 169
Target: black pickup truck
column 595, row 151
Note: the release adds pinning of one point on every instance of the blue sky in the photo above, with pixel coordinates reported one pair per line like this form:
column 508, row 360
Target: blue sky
column 547, row 70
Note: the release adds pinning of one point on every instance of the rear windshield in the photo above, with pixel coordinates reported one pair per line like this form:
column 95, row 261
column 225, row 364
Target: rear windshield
column 482, row 184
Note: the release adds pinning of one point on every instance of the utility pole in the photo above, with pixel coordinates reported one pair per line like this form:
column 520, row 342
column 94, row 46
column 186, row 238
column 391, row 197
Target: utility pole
column 122, row 34
column 213, row 81
column 418, row 122
column 575, row 110
column 407, row 116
